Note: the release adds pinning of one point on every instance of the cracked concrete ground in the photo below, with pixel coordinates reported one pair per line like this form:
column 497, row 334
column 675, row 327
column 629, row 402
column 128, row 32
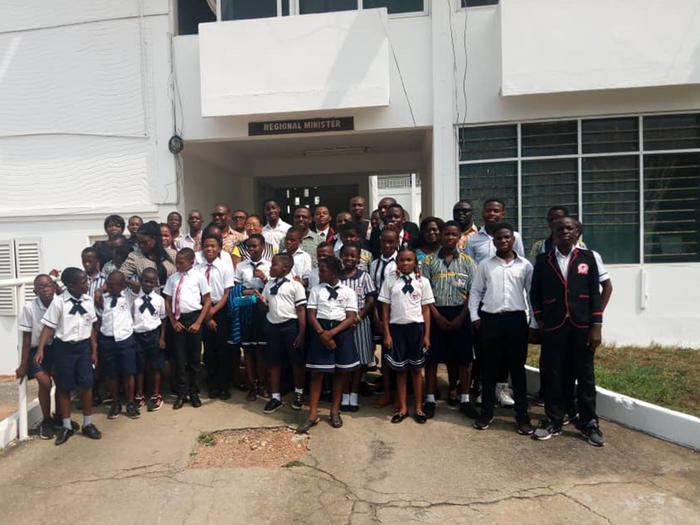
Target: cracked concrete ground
column 370, row 471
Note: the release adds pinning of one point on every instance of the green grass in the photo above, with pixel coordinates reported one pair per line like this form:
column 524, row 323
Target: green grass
column 206, row 439
column 294, row 463
column 666, row 376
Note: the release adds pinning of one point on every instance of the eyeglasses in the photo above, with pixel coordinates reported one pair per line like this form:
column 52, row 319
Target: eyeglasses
column 239, row 217
column 218, row 214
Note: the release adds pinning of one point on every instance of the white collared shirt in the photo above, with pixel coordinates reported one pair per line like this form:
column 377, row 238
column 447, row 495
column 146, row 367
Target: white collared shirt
column 323, row 234
column 275, row 235
column 68, row 327
column 225, row 259
column 332, row 309
column 406, row 307
column 220, row 277
column 302, row 264
column 282, row 306
column 30, row 319
column 563, row 261
column 117, row 321
column 193, row 287
column 314, row 278
column 388, row 264
column 501, row 286
column 146, row 321
column 245, row 273
column 480, row 246
column 188, row 242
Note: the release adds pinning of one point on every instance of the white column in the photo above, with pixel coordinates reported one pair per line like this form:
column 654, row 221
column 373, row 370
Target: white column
column 445, row 178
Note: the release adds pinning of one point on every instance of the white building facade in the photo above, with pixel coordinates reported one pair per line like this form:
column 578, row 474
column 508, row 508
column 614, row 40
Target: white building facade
column 594, row 105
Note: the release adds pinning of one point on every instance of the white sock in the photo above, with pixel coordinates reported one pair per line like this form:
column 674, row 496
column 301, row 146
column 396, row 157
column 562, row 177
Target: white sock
column 430, row 398
column 353, row 399
column 346, row 399
column 298, row 390
column 277, row 396
column 464, row 398
column 67, row 423
column 87, row 420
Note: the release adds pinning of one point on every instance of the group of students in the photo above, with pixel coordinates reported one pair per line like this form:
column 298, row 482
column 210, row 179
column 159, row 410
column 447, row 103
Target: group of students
column 318, row 297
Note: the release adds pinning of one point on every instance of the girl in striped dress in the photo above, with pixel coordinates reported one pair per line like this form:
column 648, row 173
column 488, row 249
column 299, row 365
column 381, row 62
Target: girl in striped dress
column 362, row 284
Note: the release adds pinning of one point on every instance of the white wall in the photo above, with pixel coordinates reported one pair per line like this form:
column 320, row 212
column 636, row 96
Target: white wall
column 551, row 46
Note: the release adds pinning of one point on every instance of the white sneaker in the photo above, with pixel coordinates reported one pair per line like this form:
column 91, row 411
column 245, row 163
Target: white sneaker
column 503, row 396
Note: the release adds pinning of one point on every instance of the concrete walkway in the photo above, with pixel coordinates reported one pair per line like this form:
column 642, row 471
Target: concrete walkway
column 370, row 471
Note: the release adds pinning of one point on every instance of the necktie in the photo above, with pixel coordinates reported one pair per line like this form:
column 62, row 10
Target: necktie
column 332, row 292
column 278, row 283
column 382, row 275
column 407, row 287
column 147, row 305
column 77, row 307
column 176, row 301
column 207, row 273
column 113, row 302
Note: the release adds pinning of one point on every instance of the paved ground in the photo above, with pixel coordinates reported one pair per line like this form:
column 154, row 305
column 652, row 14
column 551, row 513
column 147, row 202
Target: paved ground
column 8, row 394
column 367, row 472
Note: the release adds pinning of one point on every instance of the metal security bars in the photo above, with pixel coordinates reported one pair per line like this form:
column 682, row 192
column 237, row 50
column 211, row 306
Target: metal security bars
column 634, row 180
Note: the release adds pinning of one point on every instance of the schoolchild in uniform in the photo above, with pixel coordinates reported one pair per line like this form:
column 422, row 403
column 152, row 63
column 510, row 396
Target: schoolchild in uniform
column 382, row 267
column 30, row 326
column 405, row 299
column 286, row 329
column 115, row 343
column 149, row 334
column 502, row 284
column 91, row 265
column 302, row 260
column 363, row 285
column 322, row 224
column 218, row 354
column 187, row 301
column 253, row 273
column 119, row 255
column 323, row 250
column 332, row 308
column 450, row 272
column 566, row 303
column 350, row 233
column 70, row 318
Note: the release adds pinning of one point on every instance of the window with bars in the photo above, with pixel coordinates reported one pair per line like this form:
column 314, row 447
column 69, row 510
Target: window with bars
column 602, row 170
column 477, row 3
column 247, row 9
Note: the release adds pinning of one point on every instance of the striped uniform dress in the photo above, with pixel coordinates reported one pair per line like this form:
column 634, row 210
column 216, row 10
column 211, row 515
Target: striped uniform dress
column 268, row 252
column 361, row 283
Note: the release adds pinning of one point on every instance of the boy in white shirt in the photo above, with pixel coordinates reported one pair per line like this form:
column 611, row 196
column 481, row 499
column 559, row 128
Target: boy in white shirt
column 218, row 354
column 115, row 343
column 70, row 318
column 187, row 301
column 149, row 333
column 302, row 260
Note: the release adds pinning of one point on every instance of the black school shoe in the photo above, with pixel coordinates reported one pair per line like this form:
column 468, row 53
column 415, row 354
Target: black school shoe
column 91, row 432
column 483, row 422
column 46, row 430
column 179, row 401
column 114, row 410
column 298, row 401
column 272, row 405
column 524, row 426
column 546, row 430
column 132, row 411
column 62, row 435
column 429, row 409
column 468, row 410
column 57, row 422
column 592, row 433
column 194, row 400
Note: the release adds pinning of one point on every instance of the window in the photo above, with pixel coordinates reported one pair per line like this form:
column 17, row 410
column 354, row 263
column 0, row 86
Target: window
column 18, row 258
column 191, row 13
column 477, row 3
column 602, row 172
column 325, row 6
column 245, row 9
column 395, row 6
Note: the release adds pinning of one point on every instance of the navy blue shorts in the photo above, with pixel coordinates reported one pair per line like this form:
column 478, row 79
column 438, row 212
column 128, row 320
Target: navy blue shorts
column 33, row 369
column 254, row 334
column 343, row 359
column 72, row 365
column 450, row 346
column 148, row 354
column 280, row 344
column 407, row 349
column 117, row 358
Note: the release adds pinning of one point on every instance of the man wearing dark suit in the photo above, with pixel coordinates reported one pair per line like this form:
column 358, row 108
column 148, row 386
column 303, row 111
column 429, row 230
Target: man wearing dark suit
column 392, row 213
column 566, row 303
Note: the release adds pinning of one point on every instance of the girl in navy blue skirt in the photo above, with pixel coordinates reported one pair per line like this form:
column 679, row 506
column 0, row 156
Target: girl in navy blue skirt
column 406, row 317
column 332, row 308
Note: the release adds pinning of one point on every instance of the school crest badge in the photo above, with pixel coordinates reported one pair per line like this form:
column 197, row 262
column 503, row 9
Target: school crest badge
column 582, row 269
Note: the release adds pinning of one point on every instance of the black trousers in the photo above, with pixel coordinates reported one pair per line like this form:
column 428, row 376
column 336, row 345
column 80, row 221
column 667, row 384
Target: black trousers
column 187, row 354
column 563, row 350
column 504, row 345
column 218, row 354
column 478, row 362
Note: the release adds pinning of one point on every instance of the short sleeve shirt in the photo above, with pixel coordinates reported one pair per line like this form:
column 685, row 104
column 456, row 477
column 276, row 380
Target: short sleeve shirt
column 220, row 277
column 451, row 283
column 193, row 287
column 147, row 321
column 282, row 305
column 332, row 309
column 70, row 327
column 406, row 305
column 117, row 320
column 30, row 319
column 245, row 273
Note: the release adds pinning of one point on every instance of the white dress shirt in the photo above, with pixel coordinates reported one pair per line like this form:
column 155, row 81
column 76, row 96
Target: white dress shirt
column 332, row 309
column 480, row 246
column 225, row 259
column 245, row 273
column 406, row 307
column 146, row 321
column 501, row 286
column 30, row 320
column 220, row 277
column 193, row 287
column 282, row 305
column 277, row 234
column 381, row 268
column 187, row 241
column 70, row 327
column 302, row 264
column 117, row 321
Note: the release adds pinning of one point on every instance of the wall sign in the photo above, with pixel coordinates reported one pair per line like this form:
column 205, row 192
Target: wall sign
column 309, row 125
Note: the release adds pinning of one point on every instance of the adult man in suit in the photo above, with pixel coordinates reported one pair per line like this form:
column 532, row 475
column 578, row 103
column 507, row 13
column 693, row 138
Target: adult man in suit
column 566, row 303
column 392, row 213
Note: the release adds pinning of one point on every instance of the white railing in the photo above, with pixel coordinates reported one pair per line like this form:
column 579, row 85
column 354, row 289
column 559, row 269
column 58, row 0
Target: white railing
column 20, row 293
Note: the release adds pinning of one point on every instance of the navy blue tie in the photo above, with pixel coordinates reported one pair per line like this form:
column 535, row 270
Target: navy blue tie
column 278, row 283
column 407, row 287
column 113, row 302
column 77, row 307
column 332, row 292
column 147, row 305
